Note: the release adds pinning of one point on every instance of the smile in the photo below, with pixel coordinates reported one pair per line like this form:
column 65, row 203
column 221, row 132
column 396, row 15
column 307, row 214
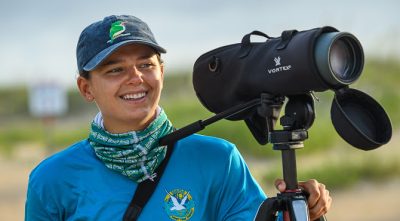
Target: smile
column 135, row 96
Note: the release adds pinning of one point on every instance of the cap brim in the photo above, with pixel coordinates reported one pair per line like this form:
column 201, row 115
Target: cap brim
column 96, row 60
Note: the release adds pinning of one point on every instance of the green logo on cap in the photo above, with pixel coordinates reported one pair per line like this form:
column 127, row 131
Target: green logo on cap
column 117, row 30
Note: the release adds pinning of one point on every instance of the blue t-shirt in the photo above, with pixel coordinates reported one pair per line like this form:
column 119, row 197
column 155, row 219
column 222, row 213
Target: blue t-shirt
column 205, row 179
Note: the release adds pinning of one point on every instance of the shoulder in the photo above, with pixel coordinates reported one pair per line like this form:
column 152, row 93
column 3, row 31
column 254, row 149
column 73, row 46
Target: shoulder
column 206, row 141
column 204, row 144
column 215, row 151
column 51, row 167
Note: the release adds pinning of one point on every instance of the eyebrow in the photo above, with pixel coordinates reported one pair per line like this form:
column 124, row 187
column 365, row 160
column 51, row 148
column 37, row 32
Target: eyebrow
column 110, row 62
column 118, row 60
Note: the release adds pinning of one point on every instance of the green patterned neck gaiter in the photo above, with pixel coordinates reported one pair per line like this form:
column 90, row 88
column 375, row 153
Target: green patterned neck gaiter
column 133, row 154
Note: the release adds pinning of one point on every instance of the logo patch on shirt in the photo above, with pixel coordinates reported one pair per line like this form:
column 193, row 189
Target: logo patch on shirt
column 179, row 204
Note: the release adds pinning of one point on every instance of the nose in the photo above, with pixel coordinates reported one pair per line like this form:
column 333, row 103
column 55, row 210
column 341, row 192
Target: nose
column 135, row 77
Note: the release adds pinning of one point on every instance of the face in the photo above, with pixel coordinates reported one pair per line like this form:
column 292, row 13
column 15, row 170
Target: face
column 126, row 88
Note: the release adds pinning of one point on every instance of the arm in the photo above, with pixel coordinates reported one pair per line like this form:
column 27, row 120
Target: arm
column 34, row 208
column 240, row 195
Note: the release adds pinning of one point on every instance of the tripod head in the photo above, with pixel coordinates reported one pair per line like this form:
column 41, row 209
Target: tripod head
column 299, row 116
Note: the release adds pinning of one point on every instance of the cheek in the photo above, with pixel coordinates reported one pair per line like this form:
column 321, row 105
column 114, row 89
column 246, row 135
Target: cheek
column 103, row 93
column 161, row 83
column 155, row 81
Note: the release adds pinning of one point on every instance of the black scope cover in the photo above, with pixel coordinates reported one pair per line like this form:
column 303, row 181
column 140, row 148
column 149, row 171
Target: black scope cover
column 233, row 74
column 360, row 120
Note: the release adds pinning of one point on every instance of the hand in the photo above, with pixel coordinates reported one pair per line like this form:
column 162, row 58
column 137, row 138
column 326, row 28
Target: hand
column 319, row 200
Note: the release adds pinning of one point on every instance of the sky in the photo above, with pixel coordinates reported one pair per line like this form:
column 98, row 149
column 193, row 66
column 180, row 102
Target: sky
column 38, row 38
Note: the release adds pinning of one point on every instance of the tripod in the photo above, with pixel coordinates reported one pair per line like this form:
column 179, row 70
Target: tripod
column 260, row 116
column 299, row 116
column 293, row 202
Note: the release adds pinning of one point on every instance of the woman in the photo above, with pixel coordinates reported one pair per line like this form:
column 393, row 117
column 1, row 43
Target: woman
column 205, row 179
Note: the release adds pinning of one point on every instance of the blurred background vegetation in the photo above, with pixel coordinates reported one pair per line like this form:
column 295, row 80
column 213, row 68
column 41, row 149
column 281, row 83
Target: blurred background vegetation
column 325, row 156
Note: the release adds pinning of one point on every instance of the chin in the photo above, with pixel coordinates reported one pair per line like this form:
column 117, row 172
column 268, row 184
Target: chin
column 142, row 116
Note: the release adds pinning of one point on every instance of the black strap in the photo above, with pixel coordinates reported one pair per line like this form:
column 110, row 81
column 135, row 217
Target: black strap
column 246, row 42
column 285, row 38
column 145, row 189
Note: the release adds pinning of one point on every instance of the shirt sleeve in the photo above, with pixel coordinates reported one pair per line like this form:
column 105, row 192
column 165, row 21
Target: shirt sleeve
column 240, row 195
column 34, row 208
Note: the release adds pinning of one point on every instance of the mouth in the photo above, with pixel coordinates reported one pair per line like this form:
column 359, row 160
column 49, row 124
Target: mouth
column 133, row 96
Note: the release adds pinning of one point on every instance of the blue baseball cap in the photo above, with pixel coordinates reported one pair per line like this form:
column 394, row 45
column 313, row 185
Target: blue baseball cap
column 100, row 39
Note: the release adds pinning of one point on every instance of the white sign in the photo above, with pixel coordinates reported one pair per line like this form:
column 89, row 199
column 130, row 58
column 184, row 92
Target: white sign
column 47, row 100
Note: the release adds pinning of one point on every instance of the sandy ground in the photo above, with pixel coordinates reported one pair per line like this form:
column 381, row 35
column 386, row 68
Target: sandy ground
column 365, row 201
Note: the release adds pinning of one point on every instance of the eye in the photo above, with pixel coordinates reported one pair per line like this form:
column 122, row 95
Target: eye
column 146, row 65
column 115, row 70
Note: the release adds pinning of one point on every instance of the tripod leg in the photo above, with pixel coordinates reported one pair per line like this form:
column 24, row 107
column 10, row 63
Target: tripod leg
column 267, row 210
column 299, row 210
column 298, row 207
column 322, row 218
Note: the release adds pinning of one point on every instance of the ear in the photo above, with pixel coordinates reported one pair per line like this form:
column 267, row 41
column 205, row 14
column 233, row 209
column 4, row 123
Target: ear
column 162, row 70
column 84, row 87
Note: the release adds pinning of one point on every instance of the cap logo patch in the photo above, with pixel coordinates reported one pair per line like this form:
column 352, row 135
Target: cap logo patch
column 117, row 30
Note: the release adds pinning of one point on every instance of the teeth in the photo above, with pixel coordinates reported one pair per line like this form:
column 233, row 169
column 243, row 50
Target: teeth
column 134, row 96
